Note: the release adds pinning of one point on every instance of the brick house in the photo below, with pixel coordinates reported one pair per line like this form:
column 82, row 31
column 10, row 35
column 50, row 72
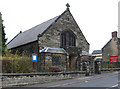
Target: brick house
column 59, row 32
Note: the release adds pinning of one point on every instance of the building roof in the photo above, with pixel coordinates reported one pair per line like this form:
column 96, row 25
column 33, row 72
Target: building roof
column 110, row 41
column 97, row 52
column 85, row 53
column 98, row 58
column 53, row 50
column 107, row 43
column 31, row 34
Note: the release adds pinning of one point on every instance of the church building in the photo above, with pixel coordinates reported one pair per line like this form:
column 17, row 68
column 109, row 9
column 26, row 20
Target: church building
column 57, row 42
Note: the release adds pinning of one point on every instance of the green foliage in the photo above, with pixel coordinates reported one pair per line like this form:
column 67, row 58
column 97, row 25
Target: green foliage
column 16, row 64
column 111, row 66
column 2, row 36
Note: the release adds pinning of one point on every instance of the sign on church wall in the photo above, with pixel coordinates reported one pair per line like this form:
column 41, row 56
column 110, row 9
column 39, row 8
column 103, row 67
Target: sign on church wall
column 34, row 58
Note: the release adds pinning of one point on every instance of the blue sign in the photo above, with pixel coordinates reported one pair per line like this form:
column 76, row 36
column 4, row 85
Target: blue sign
column 34, row 58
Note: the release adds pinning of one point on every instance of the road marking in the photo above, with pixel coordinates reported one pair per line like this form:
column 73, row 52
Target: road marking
column 84, row 78
column 86, row 81
column 16, row 84
column 115, row 85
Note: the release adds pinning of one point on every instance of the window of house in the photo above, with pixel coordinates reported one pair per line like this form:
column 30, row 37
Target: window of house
column 68, row 39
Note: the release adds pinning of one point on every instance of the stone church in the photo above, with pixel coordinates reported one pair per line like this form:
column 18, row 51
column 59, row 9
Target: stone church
column 58, row 42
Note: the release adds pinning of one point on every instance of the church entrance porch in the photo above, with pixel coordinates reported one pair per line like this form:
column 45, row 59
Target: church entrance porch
column 74, row 58
column 72, row 61
column 52, row 57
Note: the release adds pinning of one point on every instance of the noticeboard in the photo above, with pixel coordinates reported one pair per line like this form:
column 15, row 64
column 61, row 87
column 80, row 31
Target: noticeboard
column 113, row 59
column 34, row 58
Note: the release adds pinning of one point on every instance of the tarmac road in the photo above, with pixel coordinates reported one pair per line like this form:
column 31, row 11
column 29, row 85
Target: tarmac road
column 102, row 81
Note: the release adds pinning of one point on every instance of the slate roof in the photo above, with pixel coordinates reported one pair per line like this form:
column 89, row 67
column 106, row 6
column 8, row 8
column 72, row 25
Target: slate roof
column 53, row 50
column 84, row 53
column 110, row 41
column 97, row 52
column 31, row 34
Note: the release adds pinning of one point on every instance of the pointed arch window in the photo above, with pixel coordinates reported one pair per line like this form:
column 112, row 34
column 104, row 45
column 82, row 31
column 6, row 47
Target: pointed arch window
column 68, row 39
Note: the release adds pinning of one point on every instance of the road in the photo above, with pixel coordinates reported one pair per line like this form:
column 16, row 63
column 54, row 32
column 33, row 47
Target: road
column 106, row 81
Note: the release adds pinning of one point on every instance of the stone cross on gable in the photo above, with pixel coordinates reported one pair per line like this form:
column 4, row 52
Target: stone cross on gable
column 67, row 5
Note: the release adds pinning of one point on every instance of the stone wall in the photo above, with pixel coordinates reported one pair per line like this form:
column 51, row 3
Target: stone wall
column 35, row 79
column 27, row 48
column 46, row 61
column 110, row 49
column 51, row 38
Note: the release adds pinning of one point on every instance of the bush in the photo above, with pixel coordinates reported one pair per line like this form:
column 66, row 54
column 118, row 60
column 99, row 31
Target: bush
column 16, row 64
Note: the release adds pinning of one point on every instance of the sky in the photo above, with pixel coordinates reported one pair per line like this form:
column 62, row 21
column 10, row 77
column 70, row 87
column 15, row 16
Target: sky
column 96, row 18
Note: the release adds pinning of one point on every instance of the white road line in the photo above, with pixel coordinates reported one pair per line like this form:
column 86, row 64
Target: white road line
column 18, row 84
column 115, row 85
column 84, row 78
column 86, row 81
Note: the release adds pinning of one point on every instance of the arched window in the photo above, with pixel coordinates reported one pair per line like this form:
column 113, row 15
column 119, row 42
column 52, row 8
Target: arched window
column 68, row 39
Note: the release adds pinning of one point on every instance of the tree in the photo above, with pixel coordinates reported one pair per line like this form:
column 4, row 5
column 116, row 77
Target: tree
column 2, row 36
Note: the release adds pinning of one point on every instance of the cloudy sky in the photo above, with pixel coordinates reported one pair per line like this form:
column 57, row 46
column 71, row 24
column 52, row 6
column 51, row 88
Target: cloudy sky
column 96, row 18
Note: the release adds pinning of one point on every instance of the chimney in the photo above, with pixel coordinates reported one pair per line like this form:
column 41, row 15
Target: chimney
column 114, row 34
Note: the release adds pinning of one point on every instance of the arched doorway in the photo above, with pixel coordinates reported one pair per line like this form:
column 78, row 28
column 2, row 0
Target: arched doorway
column 72, row 61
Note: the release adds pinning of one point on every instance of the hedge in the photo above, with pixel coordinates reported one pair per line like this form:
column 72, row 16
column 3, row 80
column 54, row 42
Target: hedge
column 17, row 64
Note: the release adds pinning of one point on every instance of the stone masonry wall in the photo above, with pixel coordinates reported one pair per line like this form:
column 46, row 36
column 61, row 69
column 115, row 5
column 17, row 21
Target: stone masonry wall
column 48, row 61
column 51, row 38
column 27, row 49
column 38, row 79
column 111, row 49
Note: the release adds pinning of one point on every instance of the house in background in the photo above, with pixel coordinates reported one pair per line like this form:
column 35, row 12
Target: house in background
column 97, row 53
column 111, row 48
column 58, row 41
